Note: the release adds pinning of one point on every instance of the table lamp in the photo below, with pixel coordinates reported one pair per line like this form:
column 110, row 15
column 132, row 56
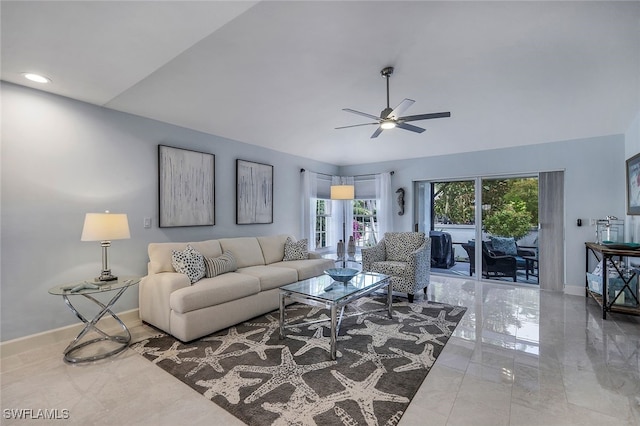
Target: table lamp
column 343, row 192
column 105, row 227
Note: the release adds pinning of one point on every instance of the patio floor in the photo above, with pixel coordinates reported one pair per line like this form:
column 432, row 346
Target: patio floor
column 462, row 269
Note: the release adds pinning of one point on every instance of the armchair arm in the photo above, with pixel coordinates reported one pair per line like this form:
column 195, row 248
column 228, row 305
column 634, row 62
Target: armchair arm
column 419, row 265
column 376, row 253
column 526, row 252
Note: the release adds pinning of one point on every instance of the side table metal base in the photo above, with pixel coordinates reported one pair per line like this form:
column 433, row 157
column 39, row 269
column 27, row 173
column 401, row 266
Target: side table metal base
column 122, row 341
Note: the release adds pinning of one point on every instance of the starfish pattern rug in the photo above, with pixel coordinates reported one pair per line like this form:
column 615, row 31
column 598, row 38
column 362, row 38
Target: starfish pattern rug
column 263, row 380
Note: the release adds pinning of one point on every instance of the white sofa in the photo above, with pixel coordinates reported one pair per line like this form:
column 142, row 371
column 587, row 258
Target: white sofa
column 169, row 301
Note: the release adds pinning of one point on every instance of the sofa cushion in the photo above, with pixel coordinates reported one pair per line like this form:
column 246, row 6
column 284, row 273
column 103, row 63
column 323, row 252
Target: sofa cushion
column 295, row 250
column 389, row 267
column 399, row 245
column 270, row 276
column 220, row 265
column 307, row 268
column 505, row 245
column 272, row 248
column 189, row 262
column 160, row 253
column 214, row 291
column 246, row 250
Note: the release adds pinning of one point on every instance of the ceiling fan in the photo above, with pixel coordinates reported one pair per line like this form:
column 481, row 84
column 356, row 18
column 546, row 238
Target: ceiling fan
column 390, row 118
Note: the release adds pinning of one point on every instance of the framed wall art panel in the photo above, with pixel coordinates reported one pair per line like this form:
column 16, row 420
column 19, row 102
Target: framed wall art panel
column 633, row 185
column 187, row 187
column 254, row 193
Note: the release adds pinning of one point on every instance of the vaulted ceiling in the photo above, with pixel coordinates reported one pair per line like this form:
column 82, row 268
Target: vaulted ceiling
column 278, row 73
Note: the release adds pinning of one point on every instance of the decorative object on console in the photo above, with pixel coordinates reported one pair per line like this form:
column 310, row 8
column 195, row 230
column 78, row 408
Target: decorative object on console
column 610, row 230
column 105, row 227
column 254, row 193
column 633, row 185
column 187, row 187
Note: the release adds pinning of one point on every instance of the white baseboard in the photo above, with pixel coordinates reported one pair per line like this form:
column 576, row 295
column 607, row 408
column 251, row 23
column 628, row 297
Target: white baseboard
column 64, row 334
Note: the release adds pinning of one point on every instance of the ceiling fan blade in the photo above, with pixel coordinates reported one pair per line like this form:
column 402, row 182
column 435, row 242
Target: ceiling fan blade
column 402, row 107
column 410, row 127
column 376, row 133
column 425, row 116
column 353, row 111
column 357, row 125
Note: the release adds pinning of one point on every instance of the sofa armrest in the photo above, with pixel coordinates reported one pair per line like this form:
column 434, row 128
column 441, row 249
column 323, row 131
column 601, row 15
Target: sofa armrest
column 315, row 255
column 376, row 253
column 154, row 292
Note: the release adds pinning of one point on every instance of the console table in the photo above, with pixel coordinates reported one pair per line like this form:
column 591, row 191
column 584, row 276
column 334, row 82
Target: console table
column 89, row 289
column 605, row 253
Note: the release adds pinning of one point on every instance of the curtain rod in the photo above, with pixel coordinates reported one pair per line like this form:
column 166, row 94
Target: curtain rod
column 368, row 174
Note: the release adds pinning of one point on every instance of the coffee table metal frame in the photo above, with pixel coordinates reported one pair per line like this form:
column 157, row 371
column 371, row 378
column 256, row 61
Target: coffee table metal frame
column 88, row 288
column 324, row 292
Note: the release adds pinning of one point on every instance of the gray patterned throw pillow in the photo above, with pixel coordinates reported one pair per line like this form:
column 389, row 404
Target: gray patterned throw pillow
column 295, row 250
column 189, row 262
column 220, row 265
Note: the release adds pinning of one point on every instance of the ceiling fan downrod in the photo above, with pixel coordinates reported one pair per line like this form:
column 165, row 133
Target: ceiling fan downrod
column 386, row 73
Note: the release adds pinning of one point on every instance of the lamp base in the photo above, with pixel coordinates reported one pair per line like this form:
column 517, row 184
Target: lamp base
column 107, row 277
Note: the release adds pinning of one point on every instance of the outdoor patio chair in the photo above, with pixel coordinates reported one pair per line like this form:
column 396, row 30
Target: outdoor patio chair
column 493, row 265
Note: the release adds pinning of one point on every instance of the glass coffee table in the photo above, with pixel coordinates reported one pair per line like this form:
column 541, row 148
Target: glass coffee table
column 323, row 291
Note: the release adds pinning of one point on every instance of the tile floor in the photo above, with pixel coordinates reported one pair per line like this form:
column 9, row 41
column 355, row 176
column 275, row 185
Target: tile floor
column 520, row 356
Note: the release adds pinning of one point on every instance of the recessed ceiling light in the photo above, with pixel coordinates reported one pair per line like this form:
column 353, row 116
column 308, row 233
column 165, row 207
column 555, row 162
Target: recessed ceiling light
column 36, row 77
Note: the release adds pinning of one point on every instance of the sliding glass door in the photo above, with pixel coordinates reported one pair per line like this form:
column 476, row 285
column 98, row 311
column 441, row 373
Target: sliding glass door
column 482, row 227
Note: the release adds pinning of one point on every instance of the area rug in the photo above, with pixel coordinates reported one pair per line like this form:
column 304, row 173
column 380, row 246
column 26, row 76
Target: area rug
column 263, row 380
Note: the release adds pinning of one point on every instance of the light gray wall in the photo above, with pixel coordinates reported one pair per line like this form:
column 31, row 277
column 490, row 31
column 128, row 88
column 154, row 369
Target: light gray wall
column 594, row 183
column 62, row 158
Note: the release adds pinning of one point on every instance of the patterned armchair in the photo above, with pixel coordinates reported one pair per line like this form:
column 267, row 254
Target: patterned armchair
column 406, row 256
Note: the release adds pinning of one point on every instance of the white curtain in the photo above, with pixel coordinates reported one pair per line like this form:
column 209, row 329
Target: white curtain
column 309, row 199
column 384, row 201
column 341, row 214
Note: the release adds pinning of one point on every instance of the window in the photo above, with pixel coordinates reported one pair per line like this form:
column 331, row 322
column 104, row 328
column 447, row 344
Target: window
column 323, row 216
column 365, row 224
column 365, row 229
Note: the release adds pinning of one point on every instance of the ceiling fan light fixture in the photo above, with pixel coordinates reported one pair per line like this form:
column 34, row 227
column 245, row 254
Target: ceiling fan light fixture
column 388, row 124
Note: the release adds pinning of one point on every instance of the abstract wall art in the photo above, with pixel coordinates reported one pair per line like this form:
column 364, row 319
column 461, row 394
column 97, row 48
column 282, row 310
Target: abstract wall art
column 254, row 193
column 187, row 187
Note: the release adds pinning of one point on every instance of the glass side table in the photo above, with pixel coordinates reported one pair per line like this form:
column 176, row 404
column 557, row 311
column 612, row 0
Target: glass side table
column 89, row 289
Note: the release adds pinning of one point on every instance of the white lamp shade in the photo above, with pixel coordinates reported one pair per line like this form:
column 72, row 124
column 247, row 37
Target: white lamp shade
column 342, row 192
column 105, row 227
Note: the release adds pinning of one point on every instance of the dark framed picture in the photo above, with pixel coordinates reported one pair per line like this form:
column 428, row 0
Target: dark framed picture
column 254, row 193
column 186, row 187
column 633, row 185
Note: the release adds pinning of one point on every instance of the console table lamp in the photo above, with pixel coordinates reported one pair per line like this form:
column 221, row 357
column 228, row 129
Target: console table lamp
column 343, row 192
column 105, row 227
